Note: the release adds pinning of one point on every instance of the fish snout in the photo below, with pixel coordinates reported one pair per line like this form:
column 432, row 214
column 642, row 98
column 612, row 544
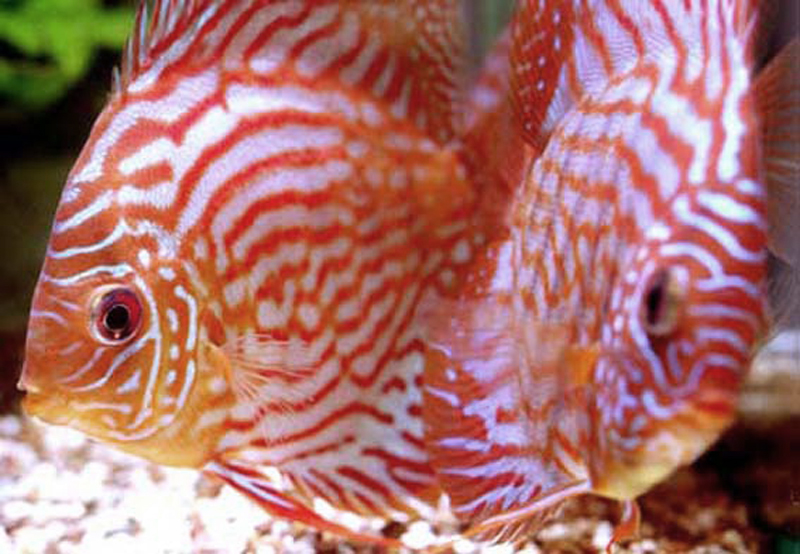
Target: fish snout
column 41, row 403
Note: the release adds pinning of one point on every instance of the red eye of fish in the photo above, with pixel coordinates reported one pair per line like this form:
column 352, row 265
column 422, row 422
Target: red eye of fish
column 118, row 315
column 661, row 302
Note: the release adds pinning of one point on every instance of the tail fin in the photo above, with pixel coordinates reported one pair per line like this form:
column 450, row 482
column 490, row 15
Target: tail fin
column 777, row 93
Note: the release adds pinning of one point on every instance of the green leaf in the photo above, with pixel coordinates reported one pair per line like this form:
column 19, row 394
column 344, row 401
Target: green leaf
column 54, row 42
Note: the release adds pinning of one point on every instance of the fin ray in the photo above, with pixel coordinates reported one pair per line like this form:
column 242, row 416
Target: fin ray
column 258, row 488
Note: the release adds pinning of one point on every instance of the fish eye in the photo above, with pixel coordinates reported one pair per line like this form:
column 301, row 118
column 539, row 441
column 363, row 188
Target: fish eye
column 117, row 315
column 661, row 302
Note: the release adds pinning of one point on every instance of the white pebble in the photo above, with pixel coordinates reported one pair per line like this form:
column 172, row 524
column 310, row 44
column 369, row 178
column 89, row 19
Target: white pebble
column 419, row 535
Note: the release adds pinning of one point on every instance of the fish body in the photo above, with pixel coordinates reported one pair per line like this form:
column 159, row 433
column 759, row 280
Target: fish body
column 236, row 261
column 603, row 342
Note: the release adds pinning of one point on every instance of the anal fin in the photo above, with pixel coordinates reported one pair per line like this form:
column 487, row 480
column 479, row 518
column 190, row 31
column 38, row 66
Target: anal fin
column 258, row 488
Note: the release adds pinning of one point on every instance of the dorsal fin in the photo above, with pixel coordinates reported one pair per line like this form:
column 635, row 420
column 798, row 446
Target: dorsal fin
column 541, row 33
column 408, row 54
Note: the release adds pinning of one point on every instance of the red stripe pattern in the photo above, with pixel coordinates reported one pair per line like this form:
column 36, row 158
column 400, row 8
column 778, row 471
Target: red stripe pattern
column 603, row 343
column 271, row 181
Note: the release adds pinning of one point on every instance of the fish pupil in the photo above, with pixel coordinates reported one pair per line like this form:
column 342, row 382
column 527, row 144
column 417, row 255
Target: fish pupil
column 654, row 301
column 117, row 320
column 661, row 304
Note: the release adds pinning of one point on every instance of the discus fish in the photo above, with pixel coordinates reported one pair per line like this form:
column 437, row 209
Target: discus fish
column 234, row 269
column 603, row 343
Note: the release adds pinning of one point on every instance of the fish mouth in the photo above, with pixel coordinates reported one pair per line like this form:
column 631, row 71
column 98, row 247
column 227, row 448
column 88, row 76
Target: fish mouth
column 47, row 407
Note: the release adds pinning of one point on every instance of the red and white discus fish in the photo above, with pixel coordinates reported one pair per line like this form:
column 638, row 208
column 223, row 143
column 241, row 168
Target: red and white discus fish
column 235, row 265
column 603, row 343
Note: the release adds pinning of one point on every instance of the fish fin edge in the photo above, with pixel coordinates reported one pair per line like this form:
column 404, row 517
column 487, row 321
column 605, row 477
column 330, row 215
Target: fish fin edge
column 254, row 485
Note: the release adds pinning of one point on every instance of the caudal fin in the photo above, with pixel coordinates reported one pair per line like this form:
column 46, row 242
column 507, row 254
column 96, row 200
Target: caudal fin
column 777, row 93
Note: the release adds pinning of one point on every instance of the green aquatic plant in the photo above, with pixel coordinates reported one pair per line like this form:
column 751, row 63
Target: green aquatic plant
column 48, row 45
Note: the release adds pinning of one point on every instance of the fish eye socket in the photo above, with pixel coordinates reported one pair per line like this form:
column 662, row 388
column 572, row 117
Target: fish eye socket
column 661, row 302
column 117, row 315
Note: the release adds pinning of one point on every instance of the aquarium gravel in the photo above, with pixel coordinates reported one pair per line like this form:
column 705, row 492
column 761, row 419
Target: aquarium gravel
column 62, row 493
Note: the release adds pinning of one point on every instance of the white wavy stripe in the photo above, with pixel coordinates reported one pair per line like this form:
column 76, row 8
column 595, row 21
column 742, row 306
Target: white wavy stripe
column 617, row 38
column 728, row 336
column 192, row 317
column 98, row 205
column 722, row 281
column 242, row 288
column 357, row 70
column 625, row 401
column 724, row 237
column 161, row 196
column 132, row 384
column 725, row 207
column 691, row 384
column 368, row 315
column 365, row 363
column 625, row 441
column 654, row 408
column 323, row 256
column 226, row 166
column 243, row 39
column 100, row 407
column 694, row 251
column 276, row 181
column 119, row 231
column 123, row 356
column 318, row 56
column 115, row 271
column 367, row 255
column 88, row 366
column 71, row 349
column 283, row 41
column 714, row 84
column 167, row 109
column 330, row 465
column 47, row 314
column 388, row 70
column 729, row 165
column 683, row 122
column 723, row 311
column 244, row 100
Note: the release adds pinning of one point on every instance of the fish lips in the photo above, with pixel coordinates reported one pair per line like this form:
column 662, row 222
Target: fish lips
column 44, row 405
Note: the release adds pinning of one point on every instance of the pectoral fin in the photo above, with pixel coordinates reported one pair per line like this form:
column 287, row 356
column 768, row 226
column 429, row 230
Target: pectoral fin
column 496, row 393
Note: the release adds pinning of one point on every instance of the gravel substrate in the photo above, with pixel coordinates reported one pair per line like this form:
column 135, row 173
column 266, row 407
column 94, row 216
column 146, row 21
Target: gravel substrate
column 61, row 493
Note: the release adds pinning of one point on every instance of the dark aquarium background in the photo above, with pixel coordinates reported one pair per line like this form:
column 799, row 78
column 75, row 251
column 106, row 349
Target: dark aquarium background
column 56, row 59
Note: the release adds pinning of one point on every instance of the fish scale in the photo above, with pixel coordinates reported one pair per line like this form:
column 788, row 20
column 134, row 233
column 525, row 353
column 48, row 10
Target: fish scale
column 603, row 342
column 240, row 251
